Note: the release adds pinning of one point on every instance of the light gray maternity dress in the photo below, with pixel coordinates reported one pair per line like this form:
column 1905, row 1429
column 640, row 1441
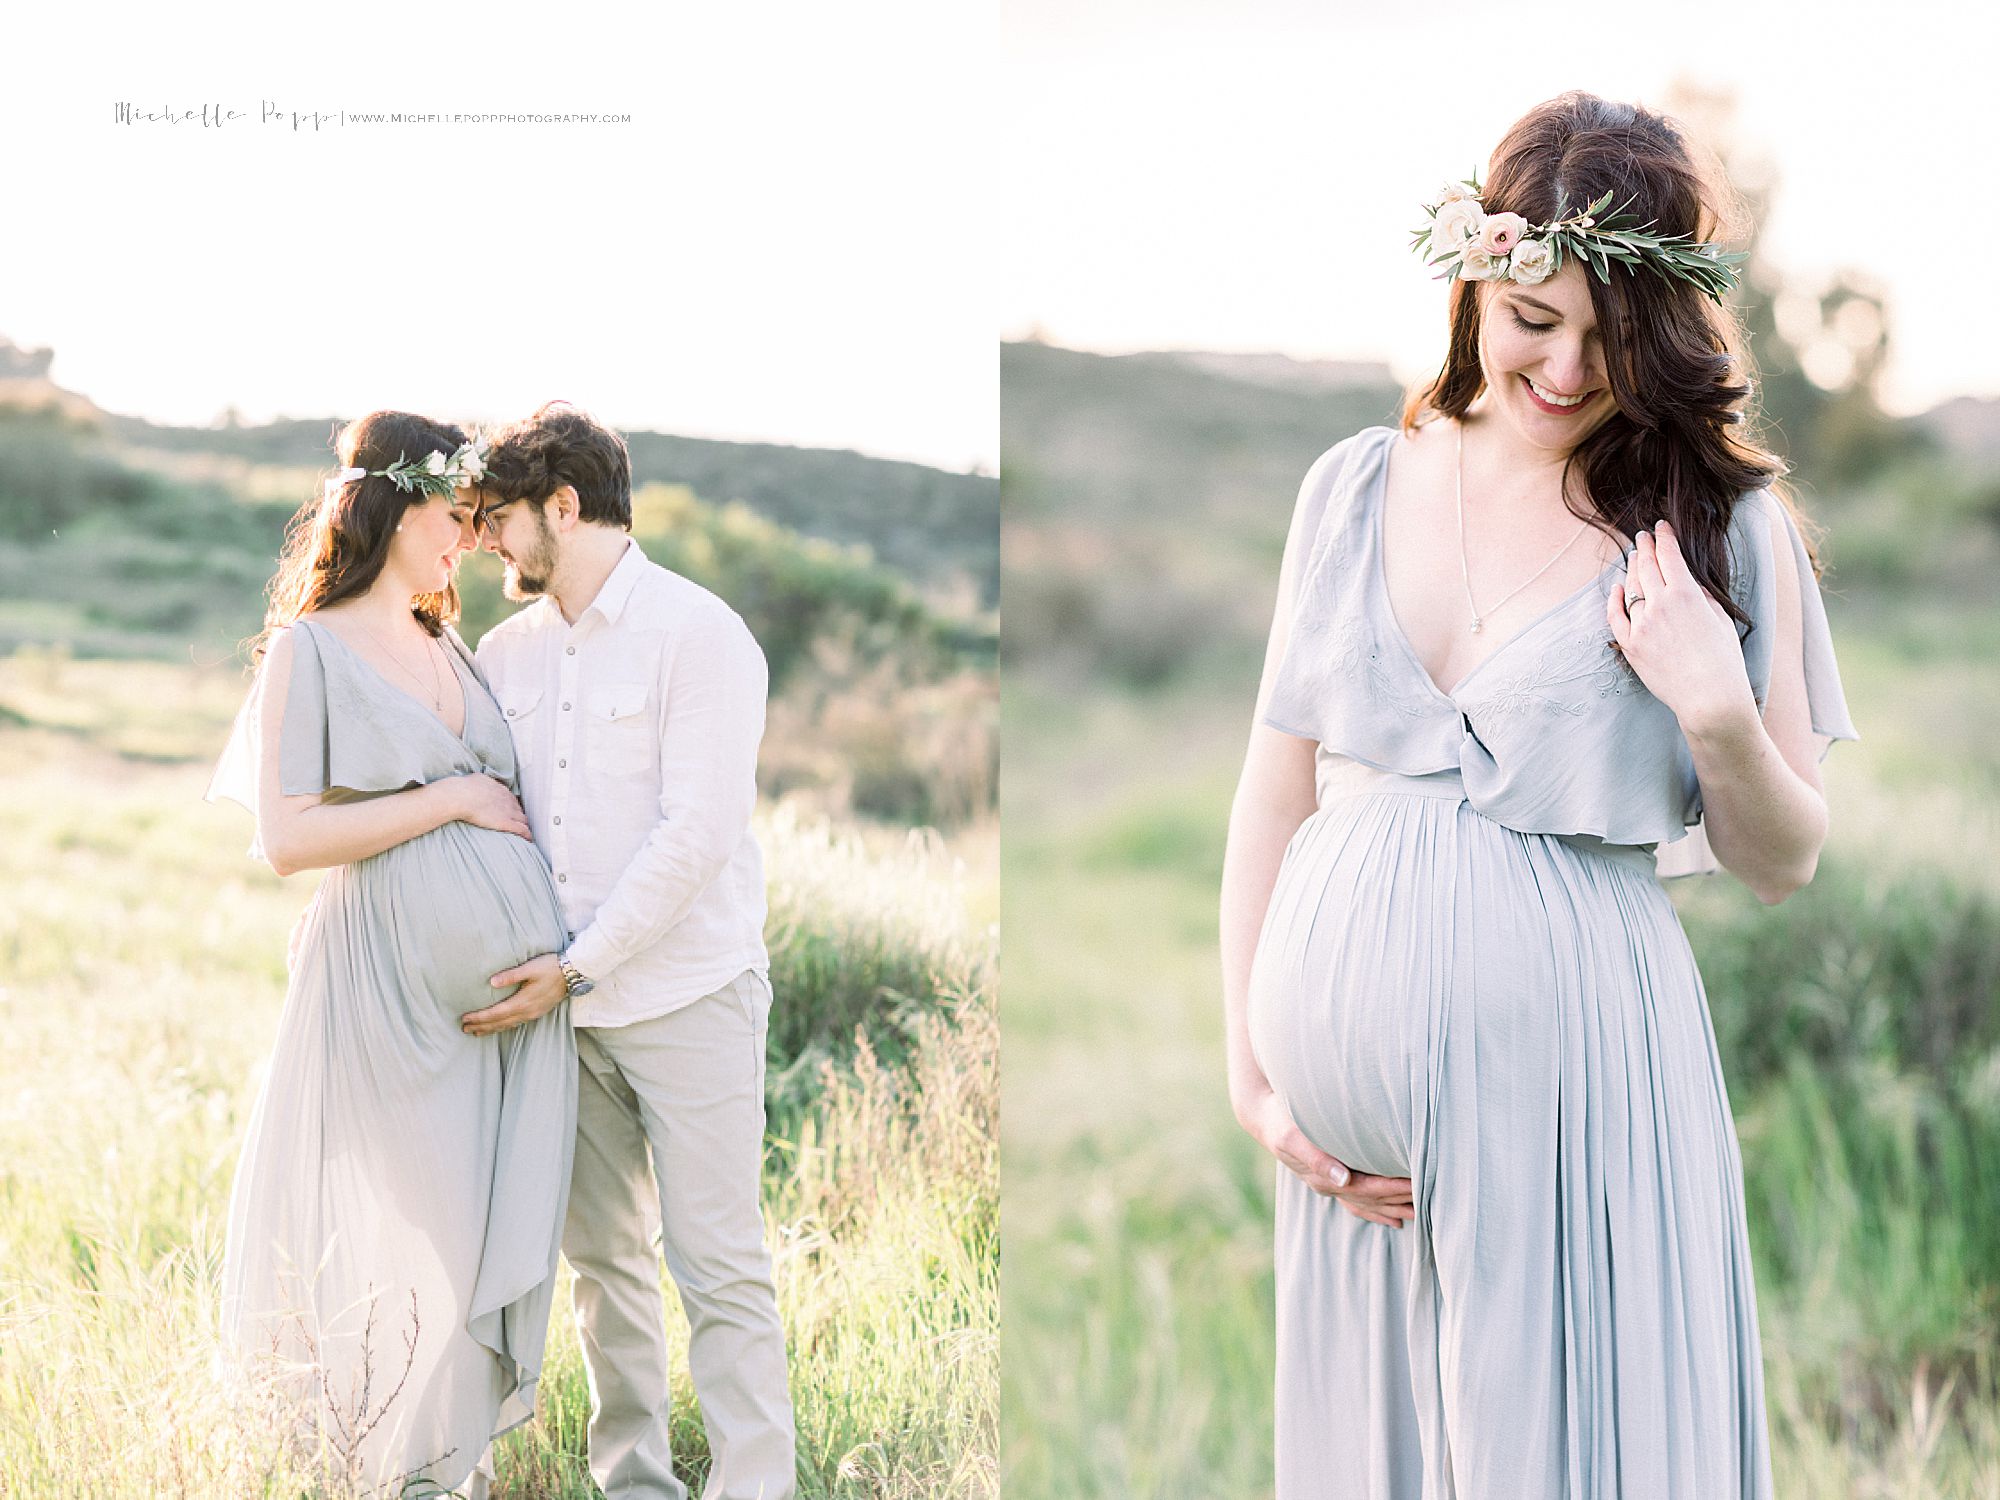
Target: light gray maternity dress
column 1470, row 975
column 397, row 1209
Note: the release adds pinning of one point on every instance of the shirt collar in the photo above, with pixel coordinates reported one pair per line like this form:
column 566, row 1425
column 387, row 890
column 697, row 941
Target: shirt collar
column 616, row 590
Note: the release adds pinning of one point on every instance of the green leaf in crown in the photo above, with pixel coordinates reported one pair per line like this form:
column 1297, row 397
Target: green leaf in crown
column 1463, row 240
column 434, row 474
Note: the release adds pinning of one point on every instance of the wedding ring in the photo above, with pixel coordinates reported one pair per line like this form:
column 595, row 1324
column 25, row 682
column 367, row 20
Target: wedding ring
column 1632, row 598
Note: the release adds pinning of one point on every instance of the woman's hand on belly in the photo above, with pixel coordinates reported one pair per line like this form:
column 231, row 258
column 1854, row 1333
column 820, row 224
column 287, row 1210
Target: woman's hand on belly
column 484, row 802
column 1379, row 1200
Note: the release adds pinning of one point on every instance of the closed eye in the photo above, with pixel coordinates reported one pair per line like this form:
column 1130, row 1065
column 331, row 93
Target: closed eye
column 1526, row 327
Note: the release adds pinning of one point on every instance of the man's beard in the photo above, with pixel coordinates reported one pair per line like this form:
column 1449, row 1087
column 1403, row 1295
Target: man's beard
column 528, row 574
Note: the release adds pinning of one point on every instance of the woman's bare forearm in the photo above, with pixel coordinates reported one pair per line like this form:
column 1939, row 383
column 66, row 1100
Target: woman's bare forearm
column 1765, row 824
column 321, row 835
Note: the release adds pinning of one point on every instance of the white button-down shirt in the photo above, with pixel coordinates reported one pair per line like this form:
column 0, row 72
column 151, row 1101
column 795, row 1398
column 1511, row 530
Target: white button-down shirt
column 637, row 731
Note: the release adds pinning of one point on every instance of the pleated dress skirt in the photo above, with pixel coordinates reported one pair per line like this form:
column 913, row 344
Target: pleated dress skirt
column 1514, row 1022
column 396, row 1213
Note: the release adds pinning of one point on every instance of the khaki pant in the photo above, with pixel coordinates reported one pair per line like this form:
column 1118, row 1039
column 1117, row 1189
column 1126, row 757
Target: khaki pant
column 686, row 1088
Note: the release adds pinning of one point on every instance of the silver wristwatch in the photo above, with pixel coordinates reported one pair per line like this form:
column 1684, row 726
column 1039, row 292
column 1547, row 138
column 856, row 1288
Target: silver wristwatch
column 573, row 978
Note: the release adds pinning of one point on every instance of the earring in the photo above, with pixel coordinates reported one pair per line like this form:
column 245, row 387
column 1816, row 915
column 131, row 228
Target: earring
column 399, row 525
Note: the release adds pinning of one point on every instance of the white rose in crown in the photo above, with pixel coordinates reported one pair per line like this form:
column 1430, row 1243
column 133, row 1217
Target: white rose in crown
column 435, row 463
column 471, row 463
column 1481, row 265
column 1456, row 192
column 1457, row 225
column 1534, row 260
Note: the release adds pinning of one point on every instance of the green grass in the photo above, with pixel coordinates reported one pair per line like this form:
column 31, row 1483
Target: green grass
column 1861, row 1040
column 141, row 973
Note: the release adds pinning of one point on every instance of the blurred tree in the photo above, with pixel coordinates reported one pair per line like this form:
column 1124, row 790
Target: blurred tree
column 18, row 363
column 1819, row 346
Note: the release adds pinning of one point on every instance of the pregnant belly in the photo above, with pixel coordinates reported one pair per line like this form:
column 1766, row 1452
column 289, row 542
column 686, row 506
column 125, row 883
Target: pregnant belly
column 1413, row 945
column 1339, row 989
column 1358, row 949
column 445, row 911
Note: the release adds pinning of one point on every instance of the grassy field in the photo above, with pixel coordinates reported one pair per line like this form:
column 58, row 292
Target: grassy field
column 141, row 975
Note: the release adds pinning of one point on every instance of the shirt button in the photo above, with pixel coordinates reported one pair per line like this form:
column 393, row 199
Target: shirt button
column 565, row 708
column 510, row 713
column 562, row 765
column 563, row 878
column 572, row 650
column 558, row 820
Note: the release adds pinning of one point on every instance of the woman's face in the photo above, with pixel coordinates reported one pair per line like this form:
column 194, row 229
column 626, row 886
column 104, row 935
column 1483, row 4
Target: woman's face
column 1538, row 348
column 435, row 532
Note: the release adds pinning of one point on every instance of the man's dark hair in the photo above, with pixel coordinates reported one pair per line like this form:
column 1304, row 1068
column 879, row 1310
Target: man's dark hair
column 533, row 458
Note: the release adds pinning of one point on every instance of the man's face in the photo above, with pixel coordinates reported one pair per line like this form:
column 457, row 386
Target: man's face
column 518, row 533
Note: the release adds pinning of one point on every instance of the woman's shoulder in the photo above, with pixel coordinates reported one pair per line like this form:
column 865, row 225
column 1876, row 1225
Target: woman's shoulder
column 1763, row 539
column 280, row 645
column 307, row 628
column 1338, row 472
column 1355, row 445
column 297, row 652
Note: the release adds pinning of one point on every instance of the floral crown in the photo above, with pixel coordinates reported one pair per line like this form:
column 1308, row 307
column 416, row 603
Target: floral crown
column 1469, row 243
column 434, row 475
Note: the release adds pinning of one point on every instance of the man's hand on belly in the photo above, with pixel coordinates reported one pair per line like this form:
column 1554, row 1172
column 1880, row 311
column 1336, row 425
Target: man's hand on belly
column 541, row 990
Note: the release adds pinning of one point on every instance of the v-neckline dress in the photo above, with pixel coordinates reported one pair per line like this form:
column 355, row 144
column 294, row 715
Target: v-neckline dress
column 394, row 1165
column 1470, row 975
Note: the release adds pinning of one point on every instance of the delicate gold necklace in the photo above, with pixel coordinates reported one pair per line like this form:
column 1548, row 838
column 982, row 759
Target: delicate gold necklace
column 434, row 695
column 1464, row 563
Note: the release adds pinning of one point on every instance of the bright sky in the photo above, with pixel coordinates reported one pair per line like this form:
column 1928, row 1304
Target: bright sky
column 791, row 241
column 1245, row 175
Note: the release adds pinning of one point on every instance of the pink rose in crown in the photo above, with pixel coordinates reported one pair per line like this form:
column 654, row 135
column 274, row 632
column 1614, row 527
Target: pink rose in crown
column 1501, row 233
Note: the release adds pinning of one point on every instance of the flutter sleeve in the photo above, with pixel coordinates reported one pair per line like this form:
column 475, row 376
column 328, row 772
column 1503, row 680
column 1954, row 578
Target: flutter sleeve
column 337, row 736
column 1758, row 593
column 1298, row 691
column 308, row 758
column 235, row 775
column 303, row 748
column 1754, row 584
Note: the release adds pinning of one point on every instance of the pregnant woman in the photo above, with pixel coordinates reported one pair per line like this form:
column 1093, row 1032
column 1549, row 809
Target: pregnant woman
column 394, row 1224
column 1525, row 642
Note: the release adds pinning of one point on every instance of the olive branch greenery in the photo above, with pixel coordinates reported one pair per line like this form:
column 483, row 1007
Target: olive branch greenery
column 1600, row 240
column 407, row 477
column 434, row 474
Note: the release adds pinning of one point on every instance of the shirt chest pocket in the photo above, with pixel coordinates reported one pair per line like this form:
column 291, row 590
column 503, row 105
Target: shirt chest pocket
column 619, row 720
column 521, row 707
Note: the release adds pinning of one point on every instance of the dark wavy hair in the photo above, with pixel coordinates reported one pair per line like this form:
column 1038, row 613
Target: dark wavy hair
column 532, row 458
column 336, row 545
column 1680, row 444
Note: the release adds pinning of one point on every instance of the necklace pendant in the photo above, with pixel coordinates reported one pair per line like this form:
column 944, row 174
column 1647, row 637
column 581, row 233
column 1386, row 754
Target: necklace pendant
column 1478, row 625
